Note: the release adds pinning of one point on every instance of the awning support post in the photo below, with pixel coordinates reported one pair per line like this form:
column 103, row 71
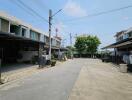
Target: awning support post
column 1, row 82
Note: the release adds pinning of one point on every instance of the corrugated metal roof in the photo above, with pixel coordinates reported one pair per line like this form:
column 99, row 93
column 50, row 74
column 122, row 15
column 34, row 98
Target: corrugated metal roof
column 119, row 44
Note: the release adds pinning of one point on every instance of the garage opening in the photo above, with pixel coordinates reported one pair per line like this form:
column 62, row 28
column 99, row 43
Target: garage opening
column 15, row 49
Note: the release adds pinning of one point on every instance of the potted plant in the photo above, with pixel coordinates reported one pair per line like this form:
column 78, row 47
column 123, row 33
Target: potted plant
column 53, row 62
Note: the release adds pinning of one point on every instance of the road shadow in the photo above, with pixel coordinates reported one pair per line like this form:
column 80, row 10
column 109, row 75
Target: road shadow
column 15, row 67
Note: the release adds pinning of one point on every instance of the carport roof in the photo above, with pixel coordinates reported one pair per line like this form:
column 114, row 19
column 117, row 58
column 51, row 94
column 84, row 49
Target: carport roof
column 122, row 43
column 8, row 36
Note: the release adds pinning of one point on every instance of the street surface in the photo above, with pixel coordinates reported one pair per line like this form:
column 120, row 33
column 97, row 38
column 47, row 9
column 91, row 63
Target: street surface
column 50, row 84
column 78, row 79
column 102, row 81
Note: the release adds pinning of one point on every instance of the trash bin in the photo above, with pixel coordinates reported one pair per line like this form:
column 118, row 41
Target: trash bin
column 123, row 68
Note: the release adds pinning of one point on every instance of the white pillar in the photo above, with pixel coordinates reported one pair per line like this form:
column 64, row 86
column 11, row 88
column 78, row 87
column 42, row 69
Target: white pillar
column 20, row 31
column 28, row 33
column 0, row 24
column 9, row 27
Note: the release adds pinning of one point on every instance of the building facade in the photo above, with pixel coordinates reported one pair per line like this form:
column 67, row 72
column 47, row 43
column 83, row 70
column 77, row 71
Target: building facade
column 122, row 47
column 20, row 41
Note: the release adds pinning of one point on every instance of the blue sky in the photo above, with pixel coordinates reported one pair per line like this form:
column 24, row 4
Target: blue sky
column 104, row 26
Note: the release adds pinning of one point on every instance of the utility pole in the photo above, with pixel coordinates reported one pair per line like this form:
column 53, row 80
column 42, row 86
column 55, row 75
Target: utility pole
column 50, row 19
column 71, row 45
column 50, row 24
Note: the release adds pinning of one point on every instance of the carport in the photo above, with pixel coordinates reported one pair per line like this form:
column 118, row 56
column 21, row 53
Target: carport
column 121, row 47
column 10, row 45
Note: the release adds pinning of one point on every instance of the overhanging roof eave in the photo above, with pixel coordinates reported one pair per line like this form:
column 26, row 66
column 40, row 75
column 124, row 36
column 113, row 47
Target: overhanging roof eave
column 118, row 44
column 11, row 36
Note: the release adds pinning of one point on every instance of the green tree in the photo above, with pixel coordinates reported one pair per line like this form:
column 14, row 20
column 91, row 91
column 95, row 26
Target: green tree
column 80, row 44
column 87, row 44
column 70, row 48
column 70, row 51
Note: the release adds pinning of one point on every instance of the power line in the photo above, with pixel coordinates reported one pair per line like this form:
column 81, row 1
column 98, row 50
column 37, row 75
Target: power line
column 19, row 5
column 23, row 6
column 40, row 4
column 57, row 12
column 26, row 10
column 37, row 14
column 100, row 13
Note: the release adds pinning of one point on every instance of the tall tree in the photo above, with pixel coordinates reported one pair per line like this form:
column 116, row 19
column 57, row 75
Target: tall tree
column 80, row 44
column 87, row 44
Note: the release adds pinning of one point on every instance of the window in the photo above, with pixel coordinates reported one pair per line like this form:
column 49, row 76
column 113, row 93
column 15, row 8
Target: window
column 4, row 25
column 23, row 32
column 130, row 34
column 53, row 41
column 46, row 39
column 34, row 35
column 15, row 29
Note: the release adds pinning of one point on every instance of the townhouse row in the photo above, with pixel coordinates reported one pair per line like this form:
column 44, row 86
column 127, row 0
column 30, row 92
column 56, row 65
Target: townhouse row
column 15, row 27
column 123, row 35
column 20, row 41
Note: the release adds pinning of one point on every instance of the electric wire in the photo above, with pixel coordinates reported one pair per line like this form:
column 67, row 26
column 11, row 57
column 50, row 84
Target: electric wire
column 98, row 14
column 33, row 11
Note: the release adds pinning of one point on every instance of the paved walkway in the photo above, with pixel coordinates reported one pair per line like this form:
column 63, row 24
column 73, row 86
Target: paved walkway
column 101, row 81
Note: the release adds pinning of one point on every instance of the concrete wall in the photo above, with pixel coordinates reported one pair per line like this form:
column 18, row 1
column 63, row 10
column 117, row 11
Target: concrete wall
column 41, row 37
column 4, row 25
column 28, row 33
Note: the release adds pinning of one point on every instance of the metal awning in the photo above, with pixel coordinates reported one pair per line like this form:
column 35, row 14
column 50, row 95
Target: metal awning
column 9, row 36
column 7, row 39
column 123, row 43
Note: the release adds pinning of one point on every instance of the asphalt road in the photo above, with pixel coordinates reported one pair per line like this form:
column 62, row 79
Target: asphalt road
column 50, row 84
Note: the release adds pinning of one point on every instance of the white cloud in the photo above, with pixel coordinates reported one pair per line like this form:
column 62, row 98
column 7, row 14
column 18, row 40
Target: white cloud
column 74, row 9
column 126, row 18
